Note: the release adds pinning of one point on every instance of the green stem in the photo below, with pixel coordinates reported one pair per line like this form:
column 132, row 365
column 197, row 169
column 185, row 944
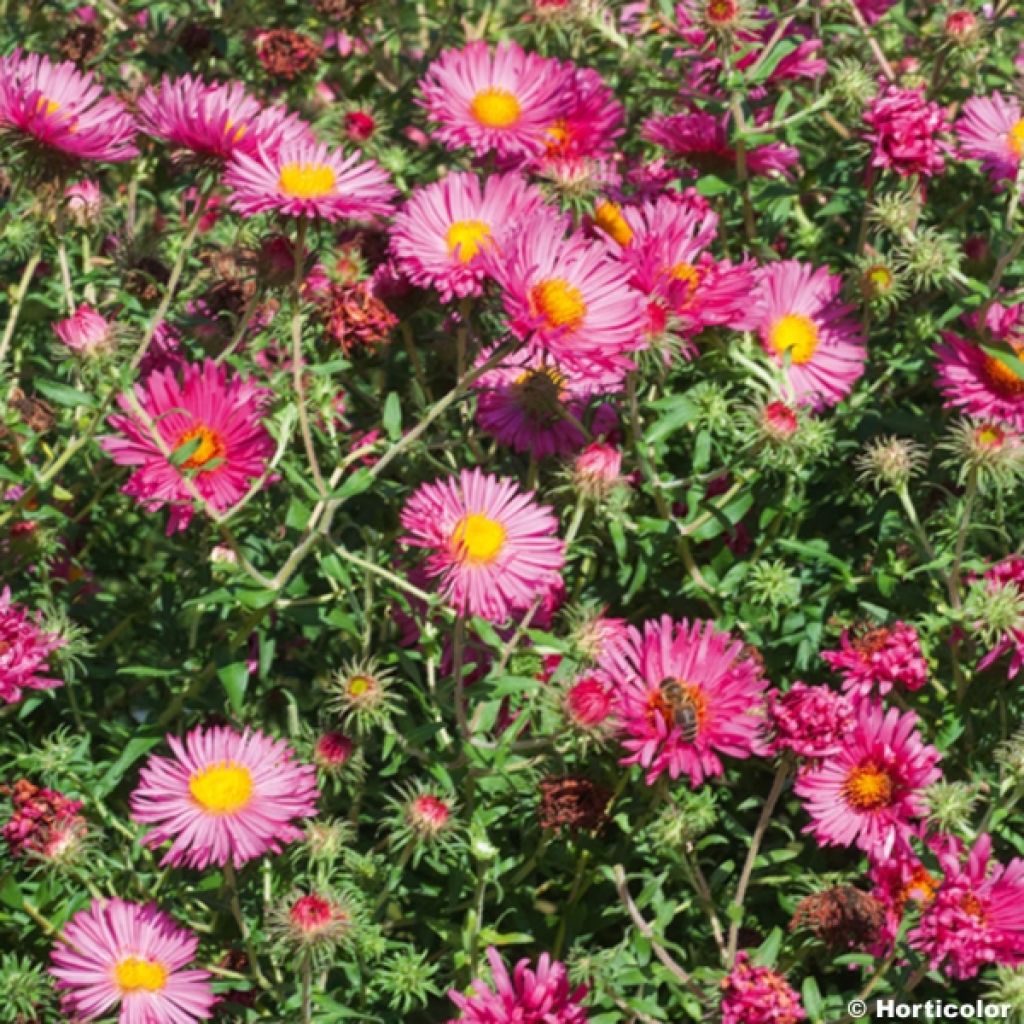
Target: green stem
column 17, row 301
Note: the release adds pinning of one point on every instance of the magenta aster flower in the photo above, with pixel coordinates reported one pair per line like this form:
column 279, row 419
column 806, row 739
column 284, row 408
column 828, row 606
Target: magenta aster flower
column 879, row 660
column 904, row 131
column 873, row 10
column 1007, row 574
column 217, row 418
column 502, row 99
column 805, row 329
column 687, row 693
column 812, row 721
column 25, row 648
column 85, row 331
column 116, row 952
column 439, row 235
column 597, row 470
column 60, row 108
column 491, row 546
column 224, row 796
column 303, row 178
column 977, row 915
column 216, row 120
column 590, row 121
column 869, row 793
column 899, row 880
column 568, row 297
column 540, row 996
column 758, row 995
column 991, row 129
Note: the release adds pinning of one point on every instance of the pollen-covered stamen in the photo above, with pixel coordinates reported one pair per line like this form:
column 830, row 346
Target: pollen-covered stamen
column 559, row 303
column 134, row 975
column 1001, row 378
column 796, row 334
column 465, row 238
column 495, row 108
column 1015, row 138
column 868, row 787
column 608, row 217
column 478, row 539
column 222, row 788
column 306, row 180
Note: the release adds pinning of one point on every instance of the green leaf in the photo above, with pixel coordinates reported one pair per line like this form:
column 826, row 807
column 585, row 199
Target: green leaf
column 136, row 747
column 235, row 678
column 812, row 1000
column 62, row 394
column 392, row 419
column 185, row 451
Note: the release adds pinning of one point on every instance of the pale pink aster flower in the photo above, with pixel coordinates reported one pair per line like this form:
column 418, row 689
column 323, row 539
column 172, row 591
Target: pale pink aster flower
column 1008, row 573
column 438, row 237
column 540, row 996
column 216, row 417
column 119, row 953
column 58, row 107
column 85, row 331
column 25, row 648
column 500, row 99
column 904, row 131
column 811, row 721
column 870, row 793
column 492, row 548
column 991, row 129
column 568, row 297
column 879, row 660
column 758, row 995
column 223, row 797
column 216, row 120
column 307, row 179
column 808, row 331
column 687, row 693
column 977, row 915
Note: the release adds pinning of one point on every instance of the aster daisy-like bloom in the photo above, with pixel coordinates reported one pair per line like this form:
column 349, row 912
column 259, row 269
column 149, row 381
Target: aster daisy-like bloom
column 870, row 793
column 977, row 915
column 304, row 178
column 527, row 996
column 214, row 120
column 899, row 881
column 85, row 331
column 439, row 235
column 904, row 131
column 25, row 648
column 204, row 413
column 991, row 129
column 805, row 329
column 568, row 297
column 492, row 548
column 811, row 721
column 61, row 109
column 758, row 995
column 119, row 953
column 44, row 824
column 590, row 122
column 502, row 99
column 687, row 693
column 223, row 797
column 879, row 660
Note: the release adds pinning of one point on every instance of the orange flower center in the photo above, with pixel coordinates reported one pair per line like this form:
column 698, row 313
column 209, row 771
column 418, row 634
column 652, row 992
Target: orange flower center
column 559, row 137
column 306, row 180
column 796, row 334
column 559, row 303
column 1003, row 380
column 46, row 106
column 495, row 108
column 211, row 446
column 465, row 238
column 973, row 906
column 690, row 277
column 133, row 975
column 478, row 539
column 921, row 886
column 238, row 131
column 1015, row 138
column 222, row 788
column 868, row 787
column 608, row 217
column 722, row 12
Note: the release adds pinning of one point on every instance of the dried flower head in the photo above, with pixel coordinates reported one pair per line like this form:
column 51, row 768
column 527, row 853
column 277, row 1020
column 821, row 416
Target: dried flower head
column 842, row 917
column 572, row 802
column 891, row 462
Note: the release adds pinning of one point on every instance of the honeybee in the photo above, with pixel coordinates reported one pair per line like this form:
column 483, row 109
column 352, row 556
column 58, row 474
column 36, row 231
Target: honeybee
column 684, row 709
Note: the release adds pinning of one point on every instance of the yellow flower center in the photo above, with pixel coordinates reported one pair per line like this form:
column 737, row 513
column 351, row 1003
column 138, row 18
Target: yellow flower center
column 608, row 217
column 796, row 334
column 306, row 181
column 465, row 238
column 478, row 539
column 133, row 974
column 868, row 787
column 495, row 108
column 558, row 137
column 560, row 303
column 358, row 685
column 238, row 130
column 222, row 788
column 990, row 436
column 973, row 906
column 1015, row 138
column 46, row 106
column 211, row 446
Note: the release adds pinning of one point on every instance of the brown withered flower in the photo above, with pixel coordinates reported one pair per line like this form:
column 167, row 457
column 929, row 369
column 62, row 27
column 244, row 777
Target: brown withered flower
column 355, row 317
column 842, row 917
column 286, row 54
column 572, row 802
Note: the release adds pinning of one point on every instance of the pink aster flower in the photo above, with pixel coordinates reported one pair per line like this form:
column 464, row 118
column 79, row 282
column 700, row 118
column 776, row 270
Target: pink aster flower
column 808, row 331
column 25, row 648
column 568, row 297
column 1007, row 575
column 307, row 179
column 540, row 996
column 223, row 797
column 812, row 721
column 115, row 952
column 977, row 915
column 591, row 119
column 879, row 660
column 500, row 99
column 85, row 331
column 216, row 418
column 687, row 693
column 904, row 131
column 438, row 237
column 900, row 881
column 44, row 823
column 974, row 380
column 869, row 793
column 491, row 546
column 216, row 120
column 873, row 10
column 758, row 995
column 597, row 470
column 991, row 129
column 589, row 702
column 60, row 108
